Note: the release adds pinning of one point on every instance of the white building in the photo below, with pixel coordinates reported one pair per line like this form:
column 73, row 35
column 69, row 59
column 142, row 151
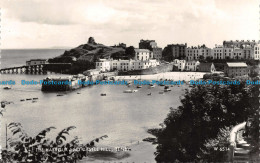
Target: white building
column 125, row 65
column 143, row 54
column 256, row 52
column 180, row 64
column 103, row 65
column 192, row 65
column 36, row 62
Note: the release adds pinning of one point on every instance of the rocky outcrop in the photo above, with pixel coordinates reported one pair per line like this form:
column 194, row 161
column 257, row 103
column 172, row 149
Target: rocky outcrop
column 92, row 51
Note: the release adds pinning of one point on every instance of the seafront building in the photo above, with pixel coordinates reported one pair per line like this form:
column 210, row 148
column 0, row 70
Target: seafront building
column 193, row 53
column 257, row 52
column 176, row 51
column 36, row 62
column 234, row 69
column 143, row 54
column 192, row 65
column 152, row 46
column 125, row 65
column 143, row 59
column 180, row 64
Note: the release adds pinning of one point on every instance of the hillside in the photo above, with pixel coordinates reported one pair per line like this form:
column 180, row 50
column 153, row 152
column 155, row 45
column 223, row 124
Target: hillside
column 90, row 52
column 84, row 56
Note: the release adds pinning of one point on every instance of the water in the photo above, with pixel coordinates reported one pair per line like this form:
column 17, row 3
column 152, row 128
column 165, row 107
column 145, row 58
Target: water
column 18, row 57
column 124, row 117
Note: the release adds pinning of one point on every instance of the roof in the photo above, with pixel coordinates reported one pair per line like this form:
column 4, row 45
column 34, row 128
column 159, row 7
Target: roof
column 236, row 64
column 142, row 50
column 37, row 60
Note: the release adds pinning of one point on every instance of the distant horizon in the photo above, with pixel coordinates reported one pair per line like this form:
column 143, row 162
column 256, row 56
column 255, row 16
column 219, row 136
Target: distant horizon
column 68, row 47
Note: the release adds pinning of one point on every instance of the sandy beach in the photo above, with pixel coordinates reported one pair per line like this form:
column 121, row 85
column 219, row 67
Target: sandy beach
column 186, row 76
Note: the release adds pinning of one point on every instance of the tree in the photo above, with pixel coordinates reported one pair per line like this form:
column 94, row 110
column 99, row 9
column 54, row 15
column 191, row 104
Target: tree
column 130, row 52
column 201, row 58
column 189, row 133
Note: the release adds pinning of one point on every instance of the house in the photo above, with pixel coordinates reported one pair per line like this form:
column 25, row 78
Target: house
column 192, row 65
column 143, row 54
column 180, row 64
column 125, row 65
column 234, row 69
column 91, row 72
column 103, row 65
column 36, row 62
column 152, row 46
column 207, row 67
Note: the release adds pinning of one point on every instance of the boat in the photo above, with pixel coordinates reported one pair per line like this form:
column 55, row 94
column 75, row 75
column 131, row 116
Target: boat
column 167, row 90
column 103, row 94
column 149, row 94
column 28, row 99
column 22, row 100
column 139, row 86
column 7, row 87
column 130, row 91
column 36, row 98
column 78, row 92
column 60, row 95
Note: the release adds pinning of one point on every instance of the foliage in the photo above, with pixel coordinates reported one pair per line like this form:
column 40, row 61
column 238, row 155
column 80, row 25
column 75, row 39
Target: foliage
column 81, row 66
column 201, row 120
column 130, row 52
column 23, row 148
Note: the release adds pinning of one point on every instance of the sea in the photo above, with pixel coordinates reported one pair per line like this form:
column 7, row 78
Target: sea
column 123, row 117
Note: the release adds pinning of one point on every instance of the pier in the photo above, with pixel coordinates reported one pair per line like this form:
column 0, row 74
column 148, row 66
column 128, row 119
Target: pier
column 36, row 69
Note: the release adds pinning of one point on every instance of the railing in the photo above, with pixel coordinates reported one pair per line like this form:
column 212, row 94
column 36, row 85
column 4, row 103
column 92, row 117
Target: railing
column 233, row 139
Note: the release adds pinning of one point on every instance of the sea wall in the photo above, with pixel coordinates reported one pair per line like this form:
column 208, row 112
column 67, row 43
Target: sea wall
column 153, row 70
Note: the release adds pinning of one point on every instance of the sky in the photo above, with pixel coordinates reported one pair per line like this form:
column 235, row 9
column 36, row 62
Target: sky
column 69, row 23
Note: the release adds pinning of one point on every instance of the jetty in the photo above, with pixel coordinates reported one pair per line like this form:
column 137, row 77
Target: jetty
column 36, row 69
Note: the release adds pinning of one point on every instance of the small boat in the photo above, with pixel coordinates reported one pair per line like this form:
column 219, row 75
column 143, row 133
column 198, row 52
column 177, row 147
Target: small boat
column 166, row 87
column 7, row 87
column 151, row 85
column 139, row 86
column 149, row 94
column 2, row 105
column 22, row 100
column 60, row 95
column 130, row 91
column 167, row 90
column 36, row 98
column 103, row 94
column 28, row 99
column 78, row 92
